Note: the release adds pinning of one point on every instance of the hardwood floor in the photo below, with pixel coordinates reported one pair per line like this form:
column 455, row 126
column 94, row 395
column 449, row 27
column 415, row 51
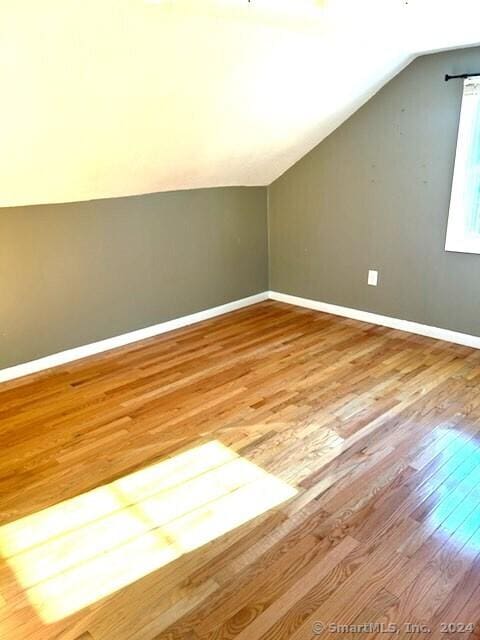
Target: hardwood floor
column 250, row 477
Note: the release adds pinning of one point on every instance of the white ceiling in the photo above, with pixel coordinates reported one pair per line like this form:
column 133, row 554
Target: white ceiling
column 107, row 98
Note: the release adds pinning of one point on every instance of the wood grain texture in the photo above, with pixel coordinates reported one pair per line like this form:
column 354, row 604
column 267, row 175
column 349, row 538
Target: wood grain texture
column 378, row 431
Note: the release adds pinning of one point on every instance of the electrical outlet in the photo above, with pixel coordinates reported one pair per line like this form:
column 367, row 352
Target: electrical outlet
column 372, row 278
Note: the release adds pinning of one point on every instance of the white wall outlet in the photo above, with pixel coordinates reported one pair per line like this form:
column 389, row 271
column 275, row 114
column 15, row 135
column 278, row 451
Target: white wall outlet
column 372, row 278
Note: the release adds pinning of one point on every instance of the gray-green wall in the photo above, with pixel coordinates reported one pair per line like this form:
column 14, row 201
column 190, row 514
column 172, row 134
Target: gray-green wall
column 375, row 194
column 71, row 274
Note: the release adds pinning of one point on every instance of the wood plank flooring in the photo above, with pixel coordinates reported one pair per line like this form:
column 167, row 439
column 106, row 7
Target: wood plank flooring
column 261, row 476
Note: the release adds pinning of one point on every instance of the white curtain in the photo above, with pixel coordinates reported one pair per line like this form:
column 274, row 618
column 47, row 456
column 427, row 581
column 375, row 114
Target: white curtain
column 463, row 232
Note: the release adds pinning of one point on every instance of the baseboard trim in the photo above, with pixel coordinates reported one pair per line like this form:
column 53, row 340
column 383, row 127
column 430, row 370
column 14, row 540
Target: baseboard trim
column 384, row 321
column 77, row 353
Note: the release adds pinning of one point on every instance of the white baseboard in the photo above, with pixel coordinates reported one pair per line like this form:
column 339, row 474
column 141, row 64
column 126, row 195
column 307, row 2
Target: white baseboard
column 77, row 353
column 35, row 366
column 385, row 321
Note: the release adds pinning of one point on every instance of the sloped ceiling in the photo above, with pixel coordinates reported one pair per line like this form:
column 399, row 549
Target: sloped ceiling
column 105, row 98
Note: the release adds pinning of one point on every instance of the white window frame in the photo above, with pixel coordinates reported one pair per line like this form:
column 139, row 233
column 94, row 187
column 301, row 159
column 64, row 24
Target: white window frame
column 466, row 176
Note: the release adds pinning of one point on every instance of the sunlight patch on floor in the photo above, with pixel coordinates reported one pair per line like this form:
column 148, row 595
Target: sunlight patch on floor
column 79, row 551
column 458, row 511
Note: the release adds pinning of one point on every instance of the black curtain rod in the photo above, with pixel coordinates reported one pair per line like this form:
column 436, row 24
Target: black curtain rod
column 461, row 75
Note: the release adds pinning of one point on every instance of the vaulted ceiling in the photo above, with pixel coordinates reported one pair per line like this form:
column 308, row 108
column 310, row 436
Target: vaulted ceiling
column 107, row 98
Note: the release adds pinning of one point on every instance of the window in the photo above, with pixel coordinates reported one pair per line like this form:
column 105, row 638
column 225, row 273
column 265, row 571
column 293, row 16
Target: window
column 463, row 232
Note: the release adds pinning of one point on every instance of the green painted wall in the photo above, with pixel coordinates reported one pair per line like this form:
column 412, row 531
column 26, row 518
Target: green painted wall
column 375, row 194
column 71, row 274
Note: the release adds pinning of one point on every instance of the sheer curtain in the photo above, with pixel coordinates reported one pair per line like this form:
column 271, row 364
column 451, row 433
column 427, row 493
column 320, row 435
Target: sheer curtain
column 463, row 232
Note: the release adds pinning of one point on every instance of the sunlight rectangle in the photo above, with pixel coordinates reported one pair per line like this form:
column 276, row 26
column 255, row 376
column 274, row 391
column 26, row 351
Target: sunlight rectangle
column 79, row 551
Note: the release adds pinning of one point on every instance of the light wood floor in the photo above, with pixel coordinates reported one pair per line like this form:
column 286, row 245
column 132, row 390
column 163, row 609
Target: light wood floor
column 247, row 477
